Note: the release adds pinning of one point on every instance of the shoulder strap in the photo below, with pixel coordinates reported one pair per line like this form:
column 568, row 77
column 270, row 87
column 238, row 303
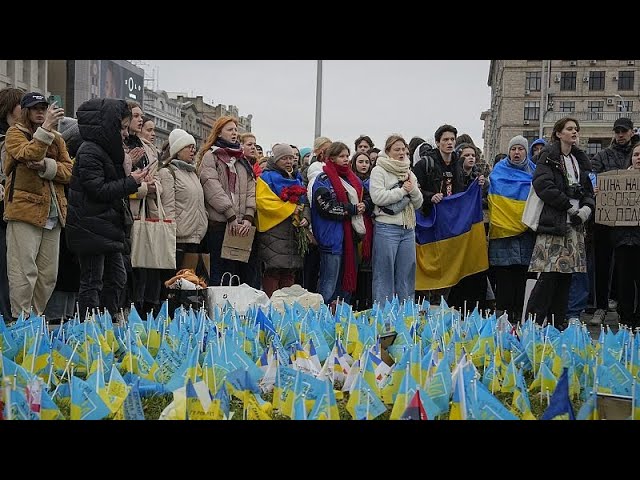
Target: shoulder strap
column 169, row 167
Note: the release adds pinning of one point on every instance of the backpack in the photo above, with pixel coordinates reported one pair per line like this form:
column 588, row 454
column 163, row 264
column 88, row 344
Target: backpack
column 423, row 151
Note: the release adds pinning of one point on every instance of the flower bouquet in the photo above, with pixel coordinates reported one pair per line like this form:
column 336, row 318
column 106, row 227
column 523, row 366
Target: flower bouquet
column 296, row 194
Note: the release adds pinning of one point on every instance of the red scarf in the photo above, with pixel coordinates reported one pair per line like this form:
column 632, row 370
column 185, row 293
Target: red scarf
column 225, row 154
column 334, row 173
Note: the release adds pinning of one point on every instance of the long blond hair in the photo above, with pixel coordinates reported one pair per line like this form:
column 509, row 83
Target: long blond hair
column 213, row 136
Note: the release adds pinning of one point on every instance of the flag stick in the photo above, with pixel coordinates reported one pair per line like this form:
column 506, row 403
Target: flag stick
column 7, row 399
column 65, row 370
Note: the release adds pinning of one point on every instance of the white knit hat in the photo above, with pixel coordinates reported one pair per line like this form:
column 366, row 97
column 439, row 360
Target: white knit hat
column 178, row 139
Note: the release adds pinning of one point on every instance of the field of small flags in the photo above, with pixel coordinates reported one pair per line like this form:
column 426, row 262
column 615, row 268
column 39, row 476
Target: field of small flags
column 306, row 364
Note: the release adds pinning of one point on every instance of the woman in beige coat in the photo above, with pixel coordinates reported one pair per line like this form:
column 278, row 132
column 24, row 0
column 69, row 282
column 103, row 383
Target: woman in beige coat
column 182, row 196
column 229, row 186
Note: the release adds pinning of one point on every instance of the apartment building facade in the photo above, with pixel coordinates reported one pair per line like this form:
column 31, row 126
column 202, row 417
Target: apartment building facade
column 29, row 75
column 529, row 96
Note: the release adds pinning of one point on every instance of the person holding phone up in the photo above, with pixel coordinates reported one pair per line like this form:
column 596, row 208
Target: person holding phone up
column 37, row 167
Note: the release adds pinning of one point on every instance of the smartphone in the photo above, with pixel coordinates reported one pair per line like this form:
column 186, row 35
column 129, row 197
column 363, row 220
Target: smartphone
column 57, row 99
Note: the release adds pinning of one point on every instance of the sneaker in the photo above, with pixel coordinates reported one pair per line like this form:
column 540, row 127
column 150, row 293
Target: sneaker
column 613, row 305
column 598, row 317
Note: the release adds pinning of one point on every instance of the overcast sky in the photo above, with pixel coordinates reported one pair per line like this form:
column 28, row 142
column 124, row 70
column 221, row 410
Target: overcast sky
column 372, row 97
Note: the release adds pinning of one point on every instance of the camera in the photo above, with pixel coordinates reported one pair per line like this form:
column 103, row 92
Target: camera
column 575, row 191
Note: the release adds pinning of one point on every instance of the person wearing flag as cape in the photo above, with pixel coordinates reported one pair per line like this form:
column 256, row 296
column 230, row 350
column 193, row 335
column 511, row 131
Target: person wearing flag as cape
column 282, row 210
column 510, row 240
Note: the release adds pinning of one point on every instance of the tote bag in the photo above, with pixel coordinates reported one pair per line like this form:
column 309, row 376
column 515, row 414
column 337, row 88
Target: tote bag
column 240, row 296
column 532, row 210
column 153, row 240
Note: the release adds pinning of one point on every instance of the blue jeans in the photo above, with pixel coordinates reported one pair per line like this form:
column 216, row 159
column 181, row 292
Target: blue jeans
column 578, row 294
column 581, row 287
column 330, row 274
column 393, row 262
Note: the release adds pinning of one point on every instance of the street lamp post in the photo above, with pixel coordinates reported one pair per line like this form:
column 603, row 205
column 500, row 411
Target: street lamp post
column 318, row 126
column 622, row 102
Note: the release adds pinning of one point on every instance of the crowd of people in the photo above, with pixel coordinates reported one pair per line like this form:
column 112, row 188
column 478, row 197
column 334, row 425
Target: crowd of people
column 339, row 222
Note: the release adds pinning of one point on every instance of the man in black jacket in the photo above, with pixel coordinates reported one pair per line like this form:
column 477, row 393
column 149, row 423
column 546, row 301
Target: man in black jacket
column 439, row 176
column 615, row 157
column 437, row 169
column 98, row 208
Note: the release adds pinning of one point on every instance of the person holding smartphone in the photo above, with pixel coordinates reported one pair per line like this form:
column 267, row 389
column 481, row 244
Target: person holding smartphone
column 37, row 167
column 144, row 284
column 99, row 214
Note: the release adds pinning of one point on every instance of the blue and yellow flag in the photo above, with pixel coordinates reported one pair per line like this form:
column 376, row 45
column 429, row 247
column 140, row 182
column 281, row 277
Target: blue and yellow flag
column 508, row 191
column 560, row 407
column 451, row 243
column 271, row 209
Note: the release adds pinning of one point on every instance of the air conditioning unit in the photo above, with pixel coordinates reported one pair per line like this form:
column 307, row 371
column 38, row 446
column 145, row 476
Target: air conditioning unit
column 557, row 78
column 527, row 92
column 573, row 63
column 611, row 101
column 585, row 79
column 631, row 62
column 526, row 122
column 593, row 62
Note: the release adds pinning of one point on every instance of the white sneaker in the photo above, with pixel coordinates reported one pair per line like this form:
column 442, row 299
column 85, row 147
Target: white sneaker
column 598, row 317
column 613, row 305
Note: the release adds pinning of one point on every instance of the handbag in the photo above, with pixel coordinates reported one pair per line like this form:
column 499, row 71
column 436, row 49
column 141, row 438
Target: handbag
column 153, row 240
column 240, row 296
column 532, row 210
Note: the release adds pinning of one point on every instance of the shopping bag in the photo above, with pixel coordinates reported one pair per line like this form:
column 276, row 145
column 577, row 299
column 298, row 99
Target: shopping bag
column 240, row 296
column 532, row 210
column 235, row 247
column 153, row 240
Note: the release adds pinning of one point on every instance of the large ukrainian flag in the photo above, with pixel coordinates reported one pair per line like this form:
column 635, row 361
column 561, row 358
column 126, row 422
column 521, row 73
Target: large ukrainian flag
column 451, row 242
column 508, row 191
column 270, row 208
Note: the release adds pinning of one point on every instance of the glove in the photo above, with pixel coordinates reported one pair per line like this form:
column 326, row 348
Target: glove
column 572, row 211
column 581, row 216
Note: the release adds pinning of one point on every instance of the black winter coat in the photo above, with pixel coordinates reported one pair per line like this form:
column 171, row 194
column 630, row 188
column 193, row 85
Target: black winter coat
column 616, row 157
column 431, row 180
column 99, row 187
column 551, row 184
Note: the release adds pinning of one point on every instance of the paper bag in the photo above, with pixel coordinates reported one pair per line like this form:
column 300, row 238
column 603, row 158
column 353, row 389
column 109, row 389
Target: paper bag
column 235, row 247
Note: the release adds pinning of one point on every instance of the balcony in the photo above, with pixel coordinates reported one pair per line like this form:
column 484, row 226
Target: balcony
column 595, row 119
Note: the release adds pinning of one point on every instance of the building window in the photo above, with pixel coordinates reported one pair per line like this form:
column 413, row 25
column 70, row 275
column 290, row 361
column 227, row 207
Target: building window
column 595, row 109
column 626, row 106
column 593, row 147
column 595, row 106
column 568, row 81
column 533, row 81
column 625, row 80
column 532, row 110
column 530, row 135
column 596, row 80
column 568, row 107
